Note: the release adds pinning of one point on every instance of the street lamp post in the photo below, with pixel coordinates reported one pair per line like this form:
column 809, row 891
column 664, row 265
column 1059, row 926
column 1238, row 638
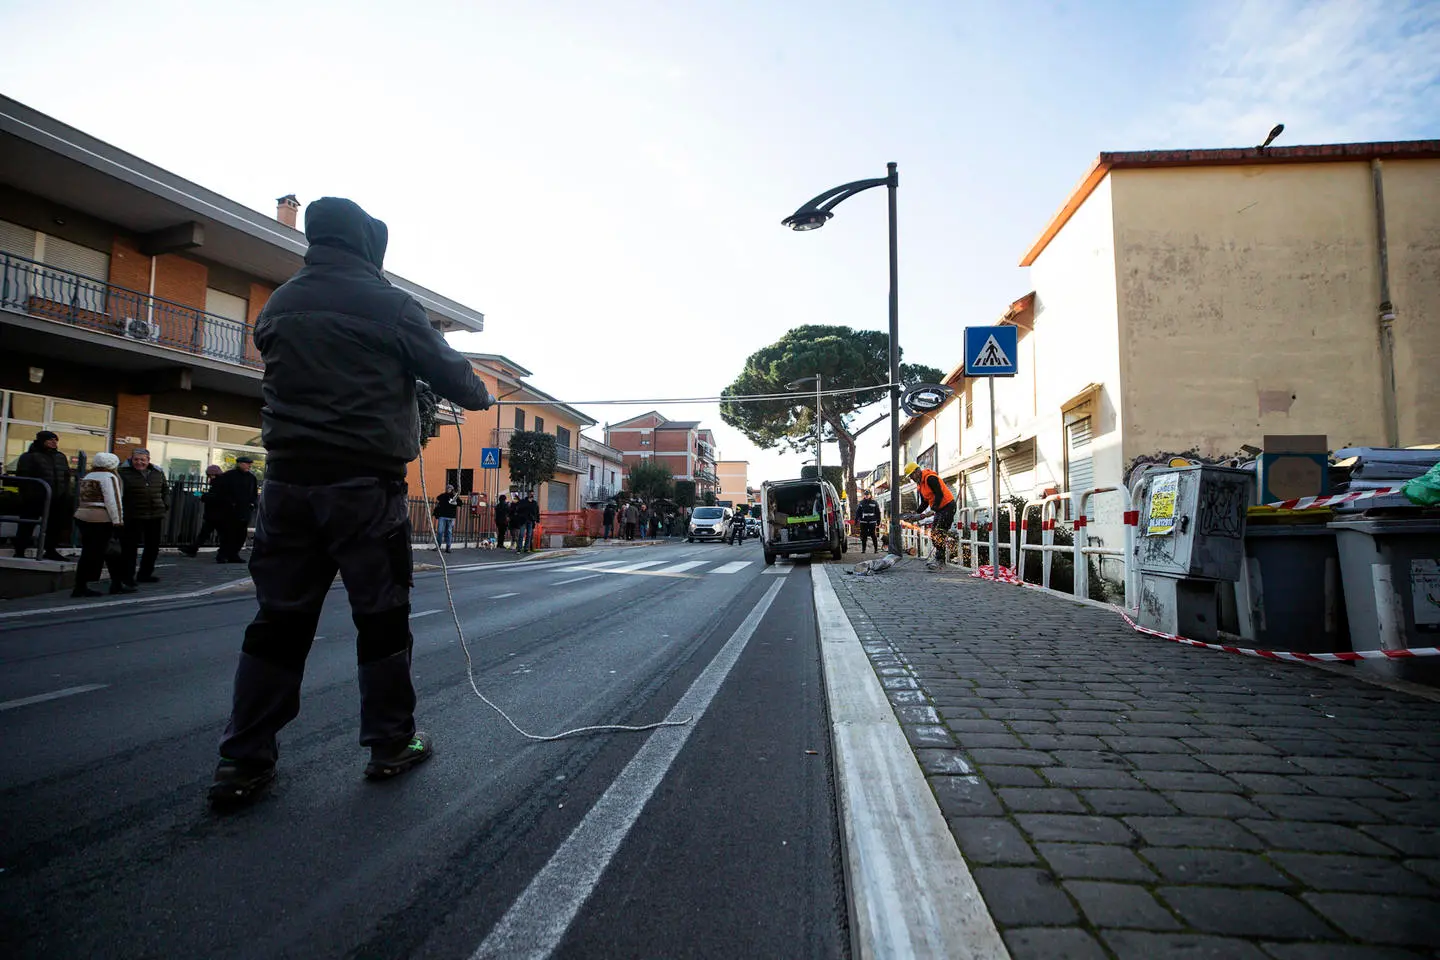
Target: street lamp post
column 812, row 216
column 791, row 386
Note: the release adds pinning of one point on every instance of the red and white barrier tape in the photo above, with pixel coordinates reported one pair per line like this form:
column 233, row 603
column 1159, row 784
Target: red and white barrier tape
column 1292, row 655
column 987, row 572
column 1307, row 503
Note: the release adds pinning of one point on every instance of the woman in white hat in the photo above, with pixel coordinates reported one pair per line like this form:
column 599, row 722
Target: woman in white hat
column 99, row 516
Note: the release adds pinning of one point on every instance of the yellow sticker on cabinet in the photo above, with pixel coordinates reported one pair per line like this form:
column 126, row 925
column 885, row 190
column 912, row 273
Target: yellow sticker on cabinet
column 1163, row 494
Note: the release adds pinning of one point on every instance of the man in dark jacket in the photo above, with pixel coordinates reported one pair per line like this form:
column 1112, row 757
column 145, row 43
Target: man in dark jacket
column 608, row 518
column 146, row 496
column 502, row 520
column 214, row 518
column 237, row 491
column 44, row 461
column 342, row 350
column 867, row 518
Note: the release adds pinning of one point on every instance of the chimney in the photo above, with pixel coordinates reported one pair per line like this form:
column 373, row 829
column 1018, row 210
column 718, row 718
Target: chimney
column 286, row 210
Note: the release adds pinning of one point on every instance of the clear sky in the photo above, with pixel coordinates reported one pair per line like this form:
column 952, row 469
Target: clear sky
column 606, row 180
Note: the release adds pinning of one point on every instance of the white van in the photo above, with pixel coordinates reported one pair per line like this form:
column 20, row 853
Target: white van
column 801, row 517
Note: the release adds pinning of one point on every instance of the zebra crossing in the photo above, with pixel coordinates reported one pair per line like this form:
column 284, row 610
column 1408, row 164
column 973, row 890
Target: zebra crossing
column 683, row 569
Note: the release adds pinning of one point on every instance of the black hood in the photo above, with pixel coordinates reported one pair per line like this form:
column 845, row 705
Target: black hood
column 336, row 222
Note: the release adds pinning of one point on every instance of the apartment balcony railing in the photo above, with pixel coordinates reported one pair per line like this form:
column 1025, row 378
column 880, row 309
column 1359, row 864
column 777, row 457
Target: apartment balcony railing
column 41, row 291
column 566, row 458
column 599, row 492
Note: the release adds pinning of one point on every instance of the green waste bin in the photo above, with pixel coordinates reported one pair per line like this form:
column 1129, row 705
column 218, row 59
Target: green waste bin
column 1391, row 571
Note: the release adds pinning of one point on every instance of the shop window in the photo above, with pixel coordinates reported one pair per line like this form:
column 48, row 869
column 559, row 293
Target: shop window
column 176, row 427
column 24, row 406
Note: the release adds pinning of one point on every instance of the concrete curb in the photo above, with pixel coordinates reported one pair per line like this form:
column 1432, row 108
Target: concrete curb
column 911, row 893
column 128, row 601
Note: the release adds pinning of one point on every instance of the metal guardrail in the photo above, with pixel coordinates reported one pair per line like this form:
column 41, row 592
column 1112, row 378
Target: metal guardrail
column 1083, row 550
column 44, row 519
column 37, row 290
column 1046, row 547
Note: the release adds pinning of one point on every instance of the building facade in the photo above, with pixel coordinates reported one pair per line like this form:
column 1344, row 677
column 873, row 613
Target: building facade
column 457, row 455
column 1187, row 304
column 607, row 472
column 128, row 297
column 734, row 481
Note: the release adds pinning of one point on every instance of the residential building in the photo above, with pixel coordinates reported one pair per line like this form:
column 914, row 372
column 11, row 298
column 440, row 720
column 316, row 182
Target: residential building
column 1190, row 303
column 522, row 406
column 684, row 446
column 707, row 456
column 734, row 481
column 607, row 471
column 128, row 296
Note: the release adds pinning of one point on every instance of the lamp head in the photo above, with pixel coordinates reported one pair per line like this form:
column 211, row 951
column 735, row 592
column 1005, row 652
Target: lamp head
column 807, row 219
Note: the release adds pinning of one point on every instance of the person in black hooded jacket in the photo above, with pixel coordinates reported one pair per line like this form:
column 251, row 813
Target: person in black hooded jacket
column 342, row 350
column 44, row 461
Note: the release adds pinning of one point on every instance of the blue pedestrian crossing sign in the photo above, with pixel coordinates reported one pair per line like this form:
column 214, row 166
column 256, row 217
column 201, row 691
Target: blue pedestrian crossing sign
column 991, row 351
column 489, row 458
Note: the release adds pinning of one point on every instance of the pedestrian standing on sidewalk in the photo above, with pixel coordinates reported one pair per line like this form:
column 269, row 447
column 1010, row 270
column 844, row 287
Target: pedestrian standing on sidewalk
column 147, row 498
column 608, row 517
column 532, row 520
column 44, row 461
column 937, row 499
column 632, row 518
column 238, row 491
column 100, row 516
column 342, row 348
column 213, row 517
column 867, row 519
column 446, row 506
column 520, row 522
column 502, row 521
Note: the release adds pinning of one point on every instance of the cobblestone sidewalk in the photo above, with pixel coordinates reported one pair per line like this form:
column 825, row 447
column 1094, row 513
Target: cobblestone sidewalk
column 1121, row 796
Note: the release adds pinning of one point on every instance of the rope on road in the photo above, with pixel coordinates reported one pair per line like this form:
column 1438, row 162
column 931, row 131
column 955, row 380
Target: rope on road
column 460, row 630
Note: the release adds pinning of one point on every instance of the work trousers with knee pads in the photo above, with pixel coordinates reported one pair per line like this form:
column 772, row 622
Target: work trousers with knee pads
column 304, row 535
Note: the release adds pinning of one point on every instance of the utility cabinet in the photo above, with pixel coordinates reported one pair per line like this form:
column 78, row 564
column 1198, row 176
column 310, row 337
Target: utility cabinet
column 1191, row 537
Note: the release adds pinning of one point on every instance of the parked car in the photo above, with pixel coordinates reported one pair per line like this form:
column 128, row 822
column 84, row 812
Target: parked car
column 752, row 526
column 801, row 517
column 708, row 523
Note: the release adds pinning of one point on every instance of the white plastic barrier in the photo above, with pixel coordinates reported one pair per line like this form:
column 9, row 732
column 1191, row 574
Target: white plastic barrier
column 1083, row 550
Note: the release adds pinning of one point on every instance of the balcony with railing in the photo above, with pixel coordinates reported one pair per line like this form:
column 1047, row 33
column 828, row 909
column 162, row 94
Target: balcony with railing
column 566, row 458
column 36, row 290
column 599, row 493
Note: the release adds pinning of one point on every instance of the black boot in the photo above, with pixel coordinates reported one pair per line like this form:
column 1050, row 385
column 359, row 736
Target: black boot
column 387, row 714
column 238, row 781
column 392, row 759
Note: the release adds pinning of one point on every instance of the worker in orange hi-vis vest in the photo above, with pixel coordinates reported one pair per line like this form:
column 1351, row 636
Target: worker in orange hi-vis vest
column 938, row 500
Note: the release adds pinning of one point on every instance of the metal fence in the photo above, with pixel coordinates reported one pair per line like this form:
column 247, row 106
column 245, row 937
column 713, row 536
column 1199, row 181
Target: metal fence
column 30, row 287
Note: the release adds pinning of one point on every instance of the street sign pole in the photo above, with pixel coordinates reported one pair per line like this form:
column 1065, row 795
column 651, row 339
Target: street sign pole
column 991, row 352
column 994, row 492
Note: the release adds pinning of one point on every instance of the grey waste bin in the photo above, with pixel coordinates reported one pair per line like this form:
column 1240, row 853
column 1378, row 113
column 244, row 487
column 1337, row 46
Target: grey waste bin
column 1391, row 570
column 1296, row 599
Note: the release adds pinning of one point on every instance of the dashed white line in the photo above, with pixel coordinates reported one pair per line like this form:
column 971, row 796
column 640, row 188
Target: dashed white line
column 42, row 697
column 423, row 613
column 561, row 583
column 502, row 596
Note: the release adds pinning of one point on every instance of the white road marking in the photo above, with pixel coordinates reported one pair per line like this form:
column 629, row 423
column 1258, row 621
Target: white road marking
column 734, row 566
column 777, row 571
column 587, row 566
column 536, row 922
column 561, row 583
column 682, row 567
column 636, row 566
column 502, row 596
column 42, row 697
column 423, row 613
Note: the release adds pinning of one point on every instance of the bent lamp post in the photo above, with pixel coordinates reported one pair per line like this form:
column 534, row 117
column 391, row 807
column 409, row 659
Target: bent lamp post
column 812, row 216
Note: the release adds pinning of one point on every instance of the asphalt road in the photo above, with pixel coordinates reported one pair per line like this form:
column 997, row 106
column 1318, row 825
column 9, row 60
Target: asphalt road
column 714, row 839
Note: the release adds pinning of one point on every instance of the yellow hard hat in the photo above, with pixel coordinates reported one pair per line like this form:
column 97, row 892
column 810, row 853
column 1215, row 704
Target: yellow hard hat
column 911, row 467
